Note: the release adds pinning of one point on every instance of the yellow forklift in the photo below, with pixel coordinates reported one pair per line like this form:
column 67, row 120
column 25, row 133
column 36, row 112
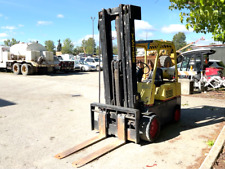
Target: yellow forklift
column 133, row 111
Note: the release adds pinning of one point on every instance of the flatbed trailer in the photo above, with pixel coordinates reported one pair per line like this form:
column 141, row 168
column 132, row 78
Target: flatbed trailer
column 26, row 58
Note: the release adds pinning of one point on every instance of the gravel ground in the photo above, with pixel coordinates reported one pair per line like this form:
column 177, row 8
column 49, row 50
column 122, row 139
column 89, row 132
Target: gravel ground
column 220, row 162
column 42, row 115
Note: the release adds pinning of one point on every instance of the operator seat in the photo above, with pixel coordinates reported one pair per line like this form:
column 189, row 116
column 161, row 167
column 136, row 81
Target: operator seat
column 158, row 77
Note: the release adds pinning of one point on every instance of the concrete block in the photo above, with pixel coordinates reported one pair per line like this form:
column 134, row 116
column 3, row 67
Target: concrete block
column 187, row 86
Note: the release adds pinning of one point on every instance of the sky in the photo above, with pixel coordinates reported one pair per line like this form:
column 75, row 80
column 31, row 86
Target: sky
column 41, row 20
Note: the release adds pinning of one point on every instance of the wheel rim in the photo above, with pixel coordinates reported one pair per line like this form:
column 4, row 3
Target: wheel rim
column 177, row 115
column 24, row 69
column 15, row 68
column 154, row 128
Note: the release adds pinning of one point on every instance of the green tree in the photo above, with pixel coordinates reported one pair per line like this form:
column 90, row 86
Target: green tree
column 89, row 46
column 98, row 51
column 205, row 16
column 77, row 50
column 179, row 40
column 115, row 50
column 10, row 42
column 50, row 45
column 67, row 46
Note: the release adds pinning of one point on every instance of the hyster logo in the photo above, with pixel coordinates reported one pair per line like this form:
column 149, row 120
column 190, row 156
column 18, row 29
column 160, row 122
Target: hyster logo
column 133, row 47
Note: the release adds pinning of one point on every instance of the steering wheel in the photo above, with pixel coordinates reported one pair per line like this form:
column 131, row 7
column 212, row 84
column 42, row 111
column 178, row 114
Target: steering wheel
column 145, row 66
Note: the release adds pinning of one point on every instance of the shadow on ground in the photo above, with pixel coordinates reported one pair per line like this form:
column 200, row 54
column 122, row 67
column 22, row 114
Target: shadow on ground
column 66, row 73
column 192, row 118
column 6, row 103
column 58, row 73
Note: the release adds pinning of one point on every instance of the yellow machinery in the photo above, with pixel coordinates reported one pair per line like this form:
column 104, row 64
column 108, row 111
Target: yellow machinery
column 167, row 89
column 133, row 111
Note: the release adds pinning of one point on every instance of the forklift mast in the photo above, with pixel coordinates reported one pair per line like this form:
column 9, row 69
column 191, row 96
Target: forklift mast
column 120, row 80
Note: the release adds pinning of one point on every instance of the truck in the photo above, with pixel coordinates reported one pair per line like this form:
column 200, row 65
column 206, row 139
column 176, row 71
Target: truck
column 66, row 62
column 26, row 58
column 94, row 62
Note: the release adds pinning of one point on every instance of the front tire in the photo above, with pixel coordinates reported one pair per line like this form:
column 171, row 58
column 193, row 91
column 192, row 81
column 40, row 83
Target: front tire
column 82, row 69
column 149, row 128
column 98, row 68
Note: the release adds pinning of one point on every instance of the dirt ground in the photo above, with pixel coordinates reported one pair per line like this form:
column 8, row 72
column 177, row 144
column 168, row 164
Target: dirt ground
column 212, row 93
column 220, row 162
column 42, row 115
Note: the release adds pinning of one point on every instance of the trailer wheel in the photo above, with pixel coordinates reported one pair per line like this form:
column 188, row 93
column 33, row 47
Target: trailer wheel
column 149, row 128
column 16, row 68
column 31, row 69
column 177, row 114
column 25, row 69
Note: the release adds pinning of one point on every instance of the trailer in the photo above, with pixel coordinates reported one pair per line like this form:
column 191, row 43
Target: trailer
column 26, row 58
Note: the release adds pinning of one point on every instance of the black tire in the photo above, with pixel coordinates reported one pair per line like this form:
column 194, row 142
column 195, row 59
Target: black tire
column 16, row 68
column 176, row 114
column 165, row 61
column 31, row 69
column 179, row 58
column 149, row 128
column 25, row 69
column 82, row 69
column 98, row 68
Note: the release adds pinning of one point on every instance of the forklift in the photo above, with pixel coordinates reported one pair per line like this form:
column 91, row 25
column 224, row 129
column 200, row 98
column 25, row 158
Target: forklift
column 133, row 111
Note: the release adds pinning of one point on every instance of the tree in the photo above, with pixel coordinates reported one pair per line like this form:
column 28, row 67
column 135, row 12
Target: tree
column 98, row 50
column 179, row 40
column 77, row 50
column 205, row 16
column 67, row 46
column 89, row 46
column 115, row 50
column 10, row 42
column 49, row 45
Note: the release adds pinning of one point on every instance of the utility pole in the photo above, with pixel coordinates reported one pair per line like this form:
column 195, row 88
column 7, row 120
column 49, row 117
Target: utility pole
column 93, row 18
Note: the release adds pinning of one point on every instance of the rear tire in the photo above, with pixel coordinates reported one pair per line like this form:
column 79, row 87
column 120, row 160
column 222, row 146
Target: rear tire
column 177, row 114
column 31, row 69
column 149, row 128
column 25, row 69
column 16, row 68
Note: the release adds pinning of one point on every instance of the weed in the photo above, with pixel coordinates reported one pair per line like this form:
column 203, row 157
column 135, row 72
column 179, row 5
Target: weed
column 210, row 143
column 185, row 104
